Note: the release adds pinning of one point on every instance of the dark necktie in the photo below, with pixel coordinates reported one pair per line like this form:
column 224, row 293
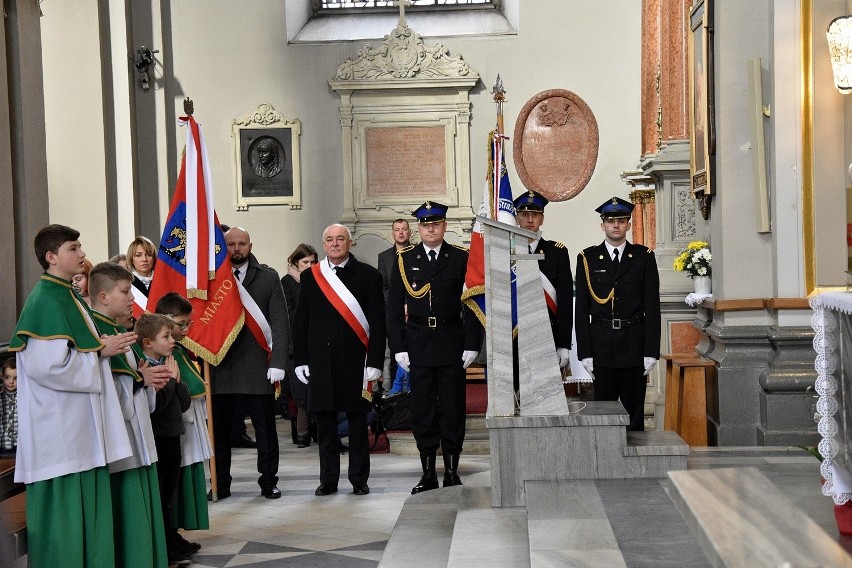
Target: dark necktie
column 615, row 257
column 337, row 269
column 432, row 255
column 237, row 274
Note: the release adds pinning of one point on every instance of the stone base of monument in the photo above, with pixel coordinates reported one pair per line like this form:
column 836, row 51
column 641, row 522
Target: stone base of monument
column 591, row 444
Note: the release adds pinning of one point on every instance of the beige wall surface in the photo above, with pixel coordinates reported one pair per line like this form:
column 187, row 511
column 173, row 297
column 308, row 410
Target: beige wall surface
column 73, row 100
column 234, row 57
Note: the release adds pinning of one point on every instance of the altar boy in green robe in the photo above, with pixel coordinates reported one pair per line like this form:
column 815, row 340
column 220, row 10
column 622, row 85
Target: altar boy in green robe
column 140, row 538
column 70, row 421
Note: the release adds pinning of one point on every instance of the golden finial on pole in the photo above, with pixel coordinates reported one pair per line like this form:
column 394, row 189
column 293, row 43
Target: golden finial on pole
column 499, row 94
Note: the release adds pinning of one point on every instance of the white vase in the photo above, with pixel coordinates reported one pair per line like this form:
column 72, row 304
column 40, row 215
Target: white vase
column 702, row 284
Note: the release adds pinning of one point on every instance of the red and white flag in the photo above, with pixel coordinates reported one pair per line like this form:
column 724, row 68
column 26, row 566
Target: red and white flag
column 193, row 261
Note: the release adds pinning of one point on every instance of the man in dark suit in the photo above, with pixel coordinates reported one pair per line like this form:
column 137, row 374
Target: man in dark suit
column 439, row 339
column 401, row 233
column 557, row 281
column 618, row 312
column 339, row 347
column 249, row 370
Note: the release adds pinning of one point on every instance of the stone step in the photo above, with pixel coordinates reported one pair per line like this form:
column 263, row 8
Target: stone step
column 654, row 443
column 476, row 443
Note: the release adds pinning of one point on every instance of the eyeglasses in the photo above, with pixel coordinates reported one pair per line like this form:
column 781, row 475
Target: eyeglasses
column 183, row 325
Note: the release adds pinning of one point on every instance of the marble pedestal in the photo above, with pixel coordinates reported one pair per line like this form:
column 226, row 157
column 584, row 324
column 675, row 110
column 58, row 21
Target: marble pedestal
column 591, row 444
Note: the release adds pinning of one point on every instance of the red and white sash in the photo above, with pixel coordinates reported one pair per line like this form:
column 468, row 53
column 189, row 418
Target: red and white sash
column 255, row 320
column 342, row 299
column 348, row 307
column 549, row 293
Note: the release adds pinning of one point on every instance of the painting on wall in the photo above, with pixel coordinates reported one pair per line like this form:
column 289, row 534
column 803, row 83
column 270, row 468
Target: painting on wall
column 702, row 133
column 266, row 146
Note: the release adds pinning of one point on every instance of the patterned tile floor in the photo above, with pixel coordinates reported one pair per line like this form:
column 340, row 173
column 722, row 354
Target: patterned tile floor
column 303, row 530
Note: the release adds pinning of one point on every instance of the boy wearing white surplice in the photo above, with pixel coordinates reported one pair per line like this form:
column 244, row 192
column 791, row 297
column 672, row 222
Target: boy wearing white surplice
column 70, row 421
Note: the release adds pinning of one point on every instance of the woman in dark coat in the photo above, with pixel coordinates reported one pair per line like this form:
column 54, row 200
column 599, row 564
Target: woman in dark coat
column 299, row 260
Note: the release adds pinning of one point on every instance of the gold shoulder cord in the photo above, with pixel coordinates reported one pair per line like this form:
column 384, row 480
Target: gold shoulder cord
column 411, row 292
column 601, row 301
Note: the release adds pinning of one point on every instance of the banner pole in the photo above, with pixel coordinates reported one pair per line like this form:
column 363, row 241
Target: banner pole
column 214, row 485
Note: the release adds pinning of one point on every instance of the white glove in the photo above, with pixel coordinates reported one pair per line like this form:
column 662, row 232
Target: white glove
column 275, row 375
column 468, row 357
column 649, row 364
column 588, row 365
column 372, row 374
column 564, row 358
column 302, row 373
column 402, row 360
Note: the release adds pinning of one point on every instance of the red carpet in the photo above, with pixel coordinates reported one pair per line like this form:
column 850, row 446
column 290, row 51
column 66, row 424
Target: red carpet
column 477, row 398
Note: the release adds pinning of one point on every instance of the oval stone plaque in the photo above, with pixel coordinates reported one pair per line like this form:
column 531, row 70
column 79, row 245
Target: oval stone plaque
column 556, row 144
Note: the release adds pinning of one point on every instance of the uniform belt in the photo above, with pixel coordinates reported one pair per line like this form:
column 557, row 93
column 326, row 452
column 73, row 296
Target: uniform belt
column 617, row 323
column 433, row 321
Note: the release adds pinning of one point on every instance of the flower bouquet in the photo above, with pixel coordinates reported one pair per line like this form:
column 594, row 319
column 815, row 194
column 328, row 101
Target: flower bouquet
column 695, row 259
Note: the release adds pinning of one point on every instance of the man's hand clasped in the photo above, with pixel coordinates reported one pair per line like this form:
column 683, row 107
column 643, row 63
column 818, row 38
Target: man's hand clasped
column 589, row 365
column 650, row 362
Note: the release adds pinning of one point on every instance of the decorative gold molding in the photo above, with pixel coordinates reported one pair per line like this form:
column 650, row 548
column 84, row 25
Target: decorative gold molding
column 808, row 224
column 642, row 196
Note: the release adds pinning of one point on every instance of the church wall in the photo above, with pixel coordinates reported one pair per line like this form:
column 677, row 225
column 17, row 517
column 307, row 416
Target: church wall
column 231, row 59
column 743, row 262
column 74, row 122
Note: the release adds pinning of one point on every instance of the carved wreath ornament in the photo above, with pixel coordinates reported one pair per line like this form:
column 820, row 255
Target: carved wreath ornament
column 402, row 55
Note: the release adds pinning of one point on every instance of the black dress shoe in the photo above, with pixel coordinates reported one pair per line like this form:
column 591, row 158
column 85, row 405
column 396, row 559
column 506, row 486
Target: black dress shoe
column 243, row 441
column 303, row 441
column 451, row 478
column 325, row 489
column 222, row 494
column 428, row 482
column 361, row 489
column 271, row 492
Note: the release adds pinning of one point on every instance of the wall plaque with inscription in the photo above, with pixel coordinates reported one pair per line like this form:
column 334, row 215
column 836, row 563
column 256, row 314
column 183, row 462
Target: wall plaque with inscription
column 556, row 144
column 409, row 160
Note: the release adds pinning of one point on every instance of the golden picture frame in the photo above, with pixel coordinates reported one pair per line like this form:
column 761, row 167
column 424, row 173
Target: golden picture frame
column 701, row 112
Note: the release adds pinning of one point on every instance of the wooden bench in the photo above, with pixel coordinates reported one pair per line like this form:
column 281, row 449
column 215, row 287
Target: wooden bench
column 13, row 511
column 686, row 396
column 741, row 519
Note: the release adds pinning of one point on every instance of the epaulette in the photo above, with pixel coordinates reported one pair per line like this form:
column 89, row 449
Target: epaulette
column 406, row 249
column 465, row 249
column 558, row 245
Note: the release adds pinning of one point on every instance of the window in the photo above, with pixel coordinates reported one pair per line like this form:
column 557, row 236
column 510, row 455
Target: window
column 361, row 6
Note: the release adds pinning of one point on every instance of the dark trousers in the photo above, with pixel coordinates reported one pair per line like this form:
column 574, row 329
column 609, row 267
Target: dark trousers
column 261, row 410
column 627, row 385
column 438, row 399
column 239, row 421
column 168, row 474
column 359, row 447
